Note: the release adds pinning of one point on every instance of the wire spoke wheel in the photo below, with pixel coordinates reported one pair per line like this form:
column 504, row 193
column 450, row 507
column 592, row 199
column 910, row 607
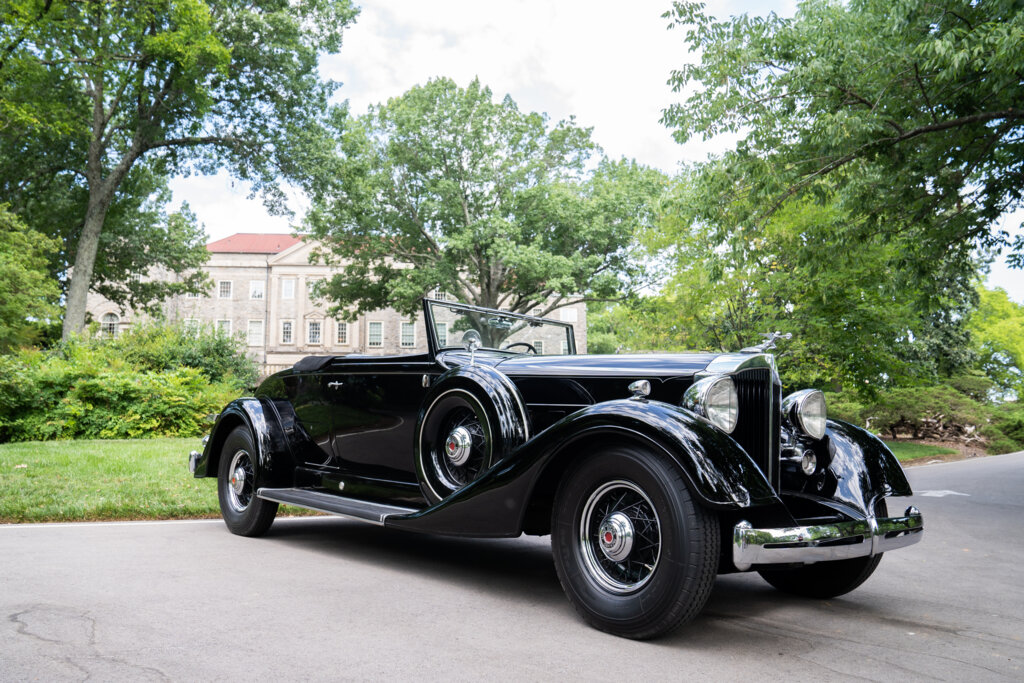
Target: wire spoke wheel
column 240, row 485
column 245, row 513
column 455, row 443
column 634, row 553
column 461, row 454
column 620, row 537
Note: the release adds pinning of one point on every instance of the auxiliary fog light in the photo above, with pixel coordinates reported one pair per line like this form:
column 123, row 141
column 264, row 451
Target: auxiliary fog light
column 809, row 463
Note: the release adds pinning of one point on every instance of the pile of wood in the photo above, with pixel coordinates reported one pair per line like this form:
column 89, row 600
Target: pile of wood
column 936, row 427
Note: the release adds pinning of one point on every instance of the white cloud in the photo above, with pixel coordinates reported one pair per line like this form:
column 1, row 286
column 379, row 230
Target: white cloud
column 605, row 62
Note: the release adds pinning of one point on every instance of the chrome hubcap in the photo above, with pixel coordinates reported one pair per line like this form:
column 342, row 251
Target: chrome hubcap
column 238, row 480
column 458, row 446
column 619, row 537
column 240, row 484
column 616, row 536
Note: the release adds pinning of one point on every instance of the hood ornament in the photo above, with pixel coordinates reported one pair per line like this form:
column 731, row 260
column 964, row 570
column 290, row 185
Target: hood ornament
column 768, row 343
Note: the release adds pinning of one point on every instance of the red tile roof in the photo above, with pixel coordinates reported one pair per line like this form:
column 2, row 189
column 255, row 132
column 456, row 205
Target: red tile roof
column 253, row 243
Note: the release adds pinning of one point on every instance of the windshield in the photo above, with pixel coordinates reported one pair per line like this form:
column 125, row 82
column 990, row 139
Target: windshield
column 499, row 329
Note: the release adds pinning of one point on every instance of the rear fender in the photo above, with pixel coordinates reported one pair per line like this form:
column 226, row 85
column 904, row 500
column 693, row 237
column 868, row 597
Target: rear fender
column 260, row 418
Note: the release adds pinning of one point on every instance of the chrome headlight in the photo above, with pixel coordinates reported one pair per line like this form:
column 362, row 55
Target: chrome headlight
column 806, row 411
column 715, row 399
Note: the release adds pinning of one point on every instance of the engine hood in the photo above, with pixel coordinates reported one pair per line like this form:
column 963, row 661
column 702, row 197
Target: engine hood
column 630, row 365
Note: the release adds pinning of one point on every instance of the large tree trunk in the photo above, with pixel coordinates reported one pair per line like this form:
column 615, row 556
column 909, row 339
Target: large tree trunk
column 85, row 261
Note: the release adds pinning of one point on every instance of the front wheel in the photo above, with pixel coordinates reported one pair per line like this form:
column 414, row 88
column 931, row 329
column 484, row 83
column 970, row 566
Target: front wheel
column 825, row 580
column 634, row 554
column 243, row 511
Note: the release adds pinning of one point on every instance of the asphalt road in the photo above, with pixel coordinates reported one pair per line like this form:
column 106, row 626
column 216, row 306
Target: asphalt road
column 327, row 598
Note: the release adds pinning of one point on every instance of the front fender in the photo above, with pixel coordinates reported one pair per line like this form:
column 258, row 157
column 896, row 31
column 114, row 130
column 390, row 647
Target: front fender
column 720, row 473
column 260, row 417
column 864, row 468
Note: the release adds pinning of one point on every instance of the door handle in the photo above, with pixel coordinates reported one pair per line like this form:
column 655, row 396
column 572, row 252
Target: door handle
column 334, row 385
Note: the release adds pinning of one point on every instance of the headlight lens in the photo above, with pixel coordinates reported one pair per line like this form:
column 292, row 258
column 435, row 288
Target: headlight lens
column 714, row 398
column 806, row 409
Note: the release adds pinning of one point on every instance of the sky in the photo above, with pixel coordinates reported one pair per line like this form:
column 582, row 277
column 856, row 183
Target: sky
column 606, row 63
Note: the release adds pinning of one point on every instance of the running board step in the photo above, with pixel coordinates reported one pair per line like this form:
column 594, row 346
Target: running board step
column 374, row 513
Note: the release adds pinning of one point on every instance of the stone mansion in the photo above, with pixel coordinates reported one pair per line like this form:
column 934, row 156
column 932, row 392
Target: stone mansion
column 261, row 292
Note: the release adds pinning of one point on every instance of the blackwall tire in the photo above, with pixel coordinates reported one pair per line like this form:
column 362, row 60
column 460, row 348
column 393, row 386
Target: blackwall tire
column 244, row 513
column 632, row 589
column 824, row 580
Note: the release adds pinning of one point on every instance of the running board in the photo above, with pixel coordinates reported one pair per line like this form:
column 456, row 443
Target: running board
column 375, row 513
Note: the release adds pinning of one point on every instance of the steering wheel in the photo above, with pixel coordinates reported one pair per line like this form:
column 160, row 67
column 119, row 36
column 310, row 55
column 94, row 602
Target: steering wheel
column 526, row 344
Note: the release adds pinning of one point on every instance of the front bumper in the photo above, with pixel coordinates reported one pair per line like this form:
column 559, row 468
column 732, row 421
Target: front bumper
column 810, row 544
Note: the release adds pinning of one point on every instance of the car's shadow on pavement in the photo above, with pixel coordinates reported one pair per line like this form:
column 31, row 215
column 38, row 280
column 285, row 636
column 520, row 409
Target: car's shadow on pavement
column 519, row 566
column 522, row 569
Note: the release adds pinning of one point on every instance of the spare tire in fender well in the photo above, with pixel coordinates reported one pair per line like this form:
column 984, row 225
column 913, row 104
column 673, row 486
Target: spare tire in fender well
column 490, row 398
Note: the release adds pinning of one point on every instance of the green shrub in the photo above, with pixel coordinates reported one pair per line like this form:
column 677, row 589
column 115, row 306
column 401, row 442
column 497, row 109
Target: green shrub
column 845, row 407
column 938, row 411
column 159, row 347
column 134, row 386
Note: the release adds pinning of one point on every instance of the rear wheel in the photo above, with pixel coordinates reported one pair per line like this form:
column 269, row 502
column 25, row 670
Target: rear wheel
column 243, row 511
column 635, row 555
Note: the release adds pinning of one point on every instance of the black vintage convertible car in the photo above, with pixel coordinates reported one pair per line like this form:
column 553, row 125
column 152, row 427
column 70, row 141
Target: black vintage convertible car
column 652, row 473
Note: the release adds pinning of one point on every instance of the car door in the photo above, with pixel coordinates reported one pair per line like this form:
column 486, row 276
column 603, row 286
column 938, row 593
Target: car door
column 310, row 399
column 374, row 411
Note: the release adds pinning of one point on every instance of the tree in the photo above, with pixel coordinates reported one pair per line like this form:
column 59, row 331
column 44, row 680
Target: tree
column 998, row 327
column 908, row 114
column 140, row 235
column 30, row 296
column 856, row 317
column 180, row 84
column 445, row 188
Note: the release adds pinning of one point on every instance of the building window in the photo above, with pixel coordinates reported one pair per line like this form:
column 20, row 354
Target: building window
column 192, row 326
column 313, row 332
column 565, row 347
column 537, row 312
column 287, row 335
column 256, row 289
column 442, row 334
column 224, row 327
column 539, row 345
column 375, row 334
column 108, row 324
column 570, row 315
column 255, row 336
column 224, row 289
column 288, row 288
column 408, row 334
column 191, row 295
column 342, row 338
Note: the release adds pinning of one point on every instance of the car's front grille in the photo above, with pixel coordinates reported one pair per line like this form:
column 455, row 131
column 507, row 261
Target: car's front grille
column 759, row 425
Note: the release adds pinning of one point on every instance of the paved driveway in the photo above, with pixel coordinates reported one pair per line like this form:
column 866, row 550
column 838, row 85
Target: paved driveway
column 327, row 598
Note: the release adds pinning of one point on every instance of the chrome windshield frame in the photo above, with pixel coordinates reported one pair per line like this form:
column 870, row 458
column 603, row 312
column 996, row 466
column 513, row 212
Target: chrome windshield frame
column 431, row 324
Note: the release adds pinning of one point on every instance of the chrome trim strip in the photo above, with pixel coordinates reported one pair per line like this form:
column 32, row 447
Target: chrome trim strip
column 824, row 543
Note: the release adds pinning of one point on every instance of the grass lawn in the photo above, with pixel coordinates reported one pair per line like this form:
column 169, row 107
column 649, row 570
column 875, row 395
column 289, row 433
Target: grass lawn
column 908, row 450
column 49, row 481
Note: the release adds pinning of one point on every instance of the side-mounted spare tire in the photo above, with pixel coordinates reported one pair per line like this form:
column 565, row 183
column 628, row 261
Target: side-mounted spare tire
column 472, row 417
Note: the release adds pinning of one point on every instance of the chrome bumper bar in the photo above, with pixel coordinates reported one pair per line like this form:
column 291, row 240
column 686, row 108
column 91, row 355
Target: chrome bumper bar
column 809, row 544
